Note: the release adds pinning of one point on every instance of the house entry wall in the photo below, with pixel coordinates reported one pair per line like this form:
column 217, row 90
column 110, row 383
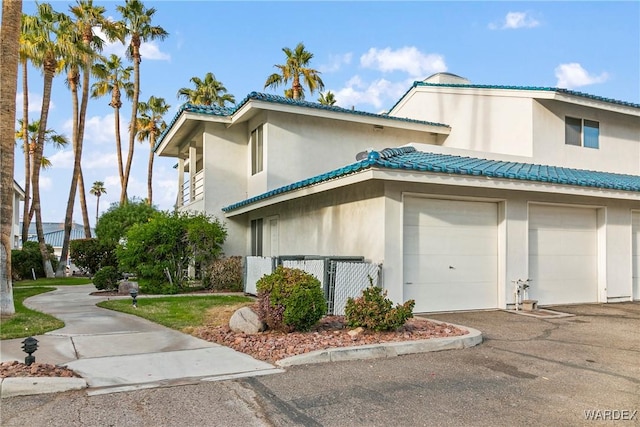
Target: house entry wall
column 563, row 254
column 635, row 251
column 450, row 252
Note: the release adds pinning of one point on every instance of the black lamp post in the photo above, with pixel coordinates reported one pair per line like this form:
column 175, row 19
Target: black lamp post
column 134, row 295
column 29, row 346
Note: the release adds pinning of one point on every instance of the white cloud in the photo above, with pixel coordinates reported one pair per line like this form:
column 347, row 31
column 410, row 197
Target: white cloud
column 408, row 59
column 376, row 93
column 35, row 103
column 97, row 160
column 336, row 62
column 62, row 159
column 148, row 50
column 514, row 21
column 572, row 75
column 46, row 183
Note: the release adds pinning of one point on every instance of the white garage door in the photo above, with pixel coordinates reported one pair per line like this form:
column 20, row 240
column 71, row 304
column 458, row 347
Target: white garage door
column 563, row 255
column 450, row 254
column 635, row 232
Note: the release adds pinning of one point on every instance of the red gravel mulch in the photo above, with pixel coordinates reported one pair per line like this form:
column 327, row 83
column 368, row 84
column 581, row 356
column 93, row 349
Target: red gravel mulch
column 330, row 332
column 19, row 369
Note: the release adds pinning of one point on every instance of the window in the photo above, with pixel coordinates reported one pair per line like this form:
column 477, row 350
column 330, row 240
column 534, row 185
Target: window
column 582, row 132
column 257, row 150
column 256, row 237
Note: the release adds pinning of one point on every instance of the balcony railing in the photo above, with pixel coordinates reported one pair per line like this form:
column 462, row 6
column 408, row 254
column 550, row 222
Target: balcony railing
column 193, row 190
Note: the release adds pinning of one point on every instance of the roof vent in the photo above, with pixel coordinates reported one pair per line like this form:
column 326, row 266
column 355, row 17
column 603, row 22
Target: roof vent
column 446, row 78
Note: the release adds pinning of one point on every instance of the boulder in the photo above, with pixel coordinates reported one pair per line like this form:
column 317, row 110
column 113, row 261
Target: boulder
column 124, row 288
column 247, row 321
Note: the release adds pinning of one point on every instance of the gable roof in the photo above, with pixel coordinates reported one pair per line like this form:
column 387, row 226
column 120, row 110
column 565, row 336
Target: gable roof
column 409, row 159
column 214, row 110
column 554, row 90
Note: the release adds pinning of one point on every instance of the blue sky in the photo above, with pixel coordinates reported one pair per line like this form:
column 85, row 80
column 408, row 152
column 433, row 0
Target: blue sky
column 369, row 53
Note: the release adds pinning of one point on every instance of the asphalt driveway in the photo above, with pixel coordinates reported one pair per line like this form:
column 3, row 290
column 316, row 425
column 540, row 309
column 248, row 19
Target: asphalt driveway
column 529, row 371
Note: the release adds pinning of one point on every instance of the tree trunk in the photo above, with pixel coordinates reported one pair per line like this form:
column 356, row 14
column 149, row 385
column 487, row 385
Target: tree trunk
column 83, row 204
column 26, row 221
column 81, row 122
column 49, row 71
column 116, row 104
column 152, row 141
column 9, row 53
column 72, row 80
column 133, row 130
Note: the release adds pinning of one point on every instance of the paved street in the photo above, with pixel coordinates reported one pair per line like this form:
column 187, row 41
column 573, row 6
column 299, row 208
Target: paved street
column 529, row 371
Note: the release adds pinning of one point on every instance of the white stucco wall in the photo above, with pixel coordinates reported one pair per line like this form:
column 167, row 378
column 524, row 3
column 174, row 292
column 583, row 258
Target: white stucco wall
column 619, row 140
column 302, row 147
column 500, row 122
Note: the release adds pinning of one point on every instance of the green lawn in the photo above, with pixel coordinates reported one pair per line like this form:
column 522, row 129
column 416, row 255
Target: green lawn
column 61, row 281
column 176, row 312
column 27, row 322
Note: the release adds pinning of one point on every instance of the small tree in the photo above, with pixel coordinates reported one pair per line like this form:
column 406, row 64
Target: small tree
column 93, row 254
column 168, row 243
column 114, row 223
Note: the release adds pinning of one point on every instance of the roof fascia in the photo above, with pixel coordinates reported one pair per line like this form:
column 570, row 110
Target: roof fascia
column 457, row 180
column 247, row 108
column 184, row 117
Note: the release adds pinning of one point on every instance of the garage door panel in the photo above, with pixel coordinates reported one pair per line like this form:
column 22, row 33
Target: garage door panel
column 442, row 297
column 461, row 241
column 450, row 254
column 563, row 254
column 558, row 242
column 452, row 269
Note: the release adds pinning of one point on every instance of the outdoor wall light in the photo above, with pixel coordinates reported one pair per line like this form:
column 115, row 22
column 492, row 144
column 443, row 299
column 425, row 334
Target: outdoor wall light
column 134, row 295
column 29, row 346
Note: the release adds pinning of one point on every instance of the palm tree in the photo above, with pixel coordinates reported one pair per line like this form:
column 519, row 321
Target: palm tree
column 150, row 126
column 79, row 63
column 98, row 190
column 26, row 53
column 207, row 92
column 136, row 20
column 292, row 70
column 113, row 78
column 50, row 46
column 327, row 98
column 9, row 52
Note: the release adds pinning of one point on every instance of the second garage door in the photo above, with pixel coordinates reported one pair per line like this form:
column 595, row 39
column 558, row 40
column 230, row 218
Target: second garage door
column 450, row 254
column 635, row 236
column 563, row 254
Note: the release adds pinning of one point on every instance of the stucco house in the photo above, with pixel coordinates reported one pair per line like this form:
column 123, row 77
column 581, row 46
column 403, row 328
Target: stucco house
column 458, row 191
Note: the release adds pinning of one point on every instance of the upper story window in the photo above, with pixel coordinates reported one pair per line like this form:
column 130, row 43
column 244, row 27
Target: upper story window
column 582, row 132
column 257, row 150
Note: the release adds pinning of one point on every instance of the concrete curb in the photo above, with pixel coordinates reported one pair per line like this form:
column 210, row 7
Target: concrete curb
column 23, row 386
column 385, row 350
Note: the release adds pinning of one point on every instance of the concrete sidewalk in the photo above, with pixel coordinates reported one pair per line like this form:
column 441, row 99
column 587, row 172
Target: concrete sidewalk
column 114, row 351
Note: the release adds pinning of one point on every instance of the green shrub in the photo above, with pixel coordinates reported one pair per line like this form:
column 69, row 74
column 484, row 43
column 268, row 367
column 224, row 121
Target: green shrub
column 92, row 254
column 224, row 274
column 290, row 300
column 373, row 310
column 106, row 278
column 27, row 258
column 157, row 287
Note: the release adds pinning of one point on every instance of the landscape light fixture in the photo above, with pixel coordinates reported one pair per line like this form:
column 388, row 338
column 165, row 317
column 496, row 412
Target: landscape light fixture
column 29, row 346
column 134, row 295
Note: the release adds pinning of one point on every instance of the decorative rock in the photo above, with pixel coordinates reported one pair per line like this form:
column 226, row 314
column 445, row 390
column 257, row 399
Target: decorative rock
column 247, row 321
column 124, row 288
column 355, row 332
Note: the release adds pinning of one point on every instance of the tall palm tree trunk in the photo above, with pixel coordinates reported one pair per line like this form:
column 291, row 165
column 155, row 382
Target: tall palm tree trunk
column 83, row 203
column 26, row 220
column 77, row 152
column 152, row 142
column 134, row 115
column 119, row 154
column 9, row 48
column 49, row 71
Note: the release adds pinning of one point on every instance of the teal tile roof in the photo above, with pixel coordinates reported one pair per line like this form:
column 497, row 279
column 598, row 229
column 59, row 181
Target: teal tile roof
column 214, row 110
column 56, row 238
column 409, row 159
column 531, row 88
